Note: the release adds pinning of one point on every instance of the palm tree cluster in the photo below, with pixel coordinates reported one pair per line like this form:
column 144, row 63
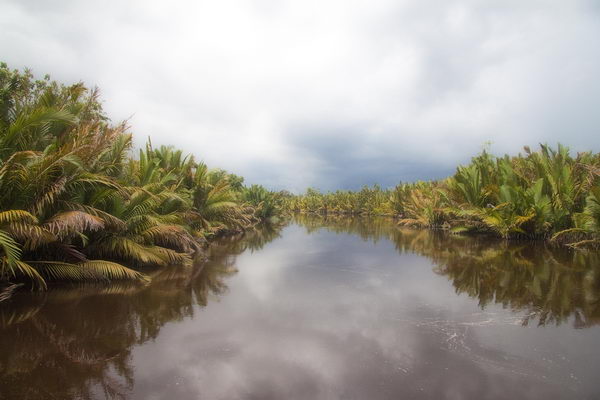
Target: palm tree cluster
column 544, row 194
column 367, row 201
column 76, row 204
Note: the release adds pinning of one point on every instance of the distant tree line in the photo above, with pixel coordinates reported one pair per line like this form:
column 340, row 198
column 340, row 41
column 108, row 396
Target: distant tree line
column 544, row 194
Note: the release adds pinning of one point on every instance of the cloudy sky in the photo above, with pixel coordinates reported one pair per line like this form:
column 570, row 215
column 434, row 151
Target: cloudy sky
column 329, row 93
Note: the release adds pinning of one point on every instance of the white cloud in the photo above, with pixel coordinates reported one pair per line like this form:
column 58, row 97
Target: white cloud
column 292, row 94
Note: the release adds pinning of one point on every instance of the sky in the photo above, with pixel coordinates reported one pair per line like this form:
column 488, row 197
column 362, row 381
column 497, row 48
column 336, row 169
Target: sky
column 331, row 94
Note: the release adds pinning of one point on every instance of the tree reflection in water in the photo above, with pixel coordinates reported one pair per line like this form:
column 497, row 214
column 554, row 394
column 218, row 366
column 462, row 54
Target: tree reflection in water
column 76, row 342
column 550, row 285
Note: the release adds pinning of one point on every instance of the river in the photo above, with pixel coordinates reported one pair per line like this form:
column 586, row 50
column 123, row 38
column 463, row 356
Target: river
column 322, row 308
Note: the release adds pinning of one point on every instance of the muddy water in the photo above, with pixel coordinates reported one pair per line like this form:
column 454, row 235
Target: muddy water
column 321, row 309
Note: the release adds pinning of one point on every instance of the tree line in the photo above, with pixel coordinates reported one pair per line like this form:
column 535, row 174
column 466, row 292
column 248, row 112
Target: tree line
column 78, row 204
column 544, row 194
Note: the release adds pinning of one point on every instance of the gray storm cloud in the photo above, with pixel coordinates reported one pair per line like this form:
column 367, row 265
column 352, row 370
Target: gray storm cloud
column 332, row 94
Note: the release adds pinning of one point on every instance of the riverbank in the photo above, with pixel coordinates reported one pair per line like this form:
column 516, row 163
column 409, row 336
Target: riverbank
column 79, row 204
column 545, row 194
column 572, row 238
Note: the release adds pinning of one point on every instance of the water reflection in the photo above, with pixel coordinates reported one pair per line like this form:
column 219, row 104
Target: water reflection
column 550, row 285
column 335, row 308
column 75, row 342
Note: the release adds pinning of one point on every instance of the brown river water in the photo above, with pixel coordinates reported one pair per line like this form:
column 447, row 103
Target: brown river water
column 334, row 308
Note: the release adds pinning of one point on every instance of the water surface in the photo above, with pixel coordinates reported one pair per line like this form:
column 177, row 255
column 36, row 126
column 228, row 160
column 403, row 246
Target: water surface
column 321, row 309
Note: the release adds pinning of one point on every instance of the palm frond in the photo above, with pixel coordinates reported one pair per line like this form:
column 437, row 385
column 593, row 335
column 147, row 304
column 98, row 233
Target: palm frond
column 113, row 271
column 94, row 270
column 67, row 222
column 11, row 216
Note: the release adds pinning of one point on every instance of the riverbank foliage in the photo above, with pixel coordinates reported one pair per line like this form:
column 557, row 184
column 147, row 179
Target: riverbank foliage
column 544, row 194
column 77, row 204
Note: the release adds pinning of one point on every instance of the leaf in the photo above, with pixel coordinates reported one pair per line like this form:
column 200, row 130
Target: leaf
column 95, row 270
column 66, row 222
column 11, row 216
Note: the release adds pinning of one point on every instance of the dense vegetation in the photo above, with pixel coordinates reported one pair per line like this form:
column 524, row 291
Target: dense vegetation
column 77, row 204
column 546, row 194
